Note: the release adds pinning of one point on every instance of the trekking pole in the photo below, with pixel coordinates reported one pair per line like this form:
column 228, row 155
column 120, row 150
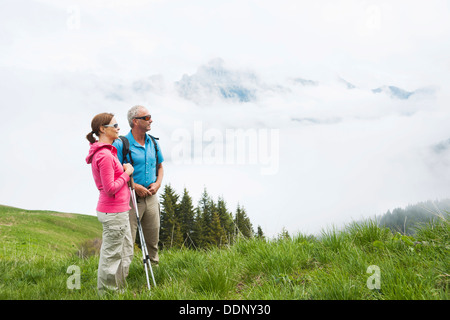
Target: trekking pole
column 145, row 256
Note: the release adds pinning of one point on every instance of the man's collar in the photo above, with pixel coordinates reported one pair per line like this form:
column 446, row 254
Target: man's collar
column 132, row 140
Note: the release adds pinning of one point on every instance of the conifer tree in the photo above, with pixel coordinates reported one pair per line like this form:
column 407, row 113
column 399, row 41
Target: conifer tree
column 260, row 233
column 212, row 233
column 242, row 223
column 216, row 234
column 226, row 219
column 197, row 231
column 203, row 220
column 170, row 232
column 210, row 225
column 187, row 219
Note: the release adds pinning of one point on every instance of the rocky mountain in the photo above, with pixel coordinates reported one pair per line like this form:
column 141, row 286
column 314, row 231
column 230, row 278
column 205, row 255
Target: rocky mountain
column 216, row 80
column 394, row 92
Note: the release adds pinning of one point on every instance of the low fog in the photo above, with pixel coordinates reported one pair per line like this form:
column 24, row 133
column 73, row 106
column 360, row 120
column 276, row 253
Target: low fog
column 335, row 153
column 307, row 115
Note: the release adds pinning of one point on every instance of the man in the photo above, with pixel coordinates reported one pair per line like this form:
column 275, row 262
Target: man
column 148, row 175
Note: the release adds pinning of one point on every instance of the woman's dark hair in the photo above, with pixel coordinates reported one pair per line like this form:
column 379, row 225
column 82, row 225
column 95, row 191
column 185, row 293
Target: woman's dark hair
column 99, row 120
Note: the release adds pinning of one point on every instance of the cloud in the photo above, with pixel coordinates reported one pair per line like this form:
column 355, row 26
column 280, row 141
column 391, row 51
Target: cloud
column 306, row 70
column 342, row 153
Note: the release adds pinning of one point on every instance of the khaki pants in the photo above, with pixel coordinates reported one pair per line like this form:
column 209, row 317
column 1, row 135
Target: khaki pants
column 149, row 216
column 116, row 252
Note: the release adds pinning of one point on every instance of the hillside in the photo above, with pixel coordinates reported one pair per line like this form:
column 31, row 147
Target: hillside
column 406, row 220
column 361, row 261
column 43, row 233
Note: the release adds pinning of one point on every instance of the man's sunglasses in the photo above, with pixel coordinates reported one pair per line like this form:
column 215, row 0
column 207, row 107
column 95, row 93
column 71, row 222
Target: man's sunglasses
column 146, row 118
column 115, row 125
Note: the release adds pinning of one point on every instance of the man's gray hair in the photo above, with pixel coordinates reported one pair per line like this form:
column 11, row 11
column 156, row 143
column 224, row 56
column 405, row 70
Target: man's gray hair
column 132, row 113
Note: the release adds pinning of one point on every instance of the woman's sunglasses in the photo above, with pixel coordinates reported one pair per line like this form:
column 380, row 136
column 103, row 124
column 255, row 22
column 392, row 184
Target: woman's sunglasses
column 115, row 125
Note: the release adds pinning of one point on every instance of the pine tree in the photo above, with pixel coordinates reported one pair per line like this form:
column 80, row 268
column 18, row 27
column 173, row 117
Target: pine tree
column 211, row 230
column 216, row 234
column 187, row 219
column 226, row 220
column 197, row 231
column 170, row 232
column 203, row 220
column 210, row 223
column 242, row 223
column 260, row 233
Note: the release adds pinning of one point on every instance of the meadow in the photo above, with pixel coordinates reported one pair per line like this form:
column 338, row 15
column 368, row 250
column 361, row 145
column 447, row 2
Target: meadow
column 40, row 250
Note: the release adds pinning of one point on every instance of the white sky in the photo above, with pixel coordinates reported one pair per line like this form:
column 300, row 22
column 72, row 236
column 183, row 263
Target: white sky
column 59, row 59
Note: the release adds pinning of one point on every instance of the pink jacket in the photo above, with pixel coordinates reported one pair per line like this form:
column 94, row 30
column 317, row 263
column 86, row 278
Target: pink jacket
column 110, row 178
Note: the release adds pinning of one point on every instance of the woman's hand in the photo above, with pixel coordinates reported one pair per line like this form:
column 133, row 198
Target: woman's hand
column 128, row 168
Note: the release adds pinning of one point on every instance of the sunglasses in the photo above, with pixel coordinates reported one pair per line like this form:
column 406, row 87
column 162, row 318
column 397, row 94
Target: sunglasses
column 115, row 125
column 146, row 118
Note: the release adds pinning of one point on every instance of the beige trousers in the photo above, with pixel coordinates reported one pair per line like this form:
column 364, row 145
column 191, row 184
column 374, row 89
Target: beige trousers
column 149, row 216
column 116, row 252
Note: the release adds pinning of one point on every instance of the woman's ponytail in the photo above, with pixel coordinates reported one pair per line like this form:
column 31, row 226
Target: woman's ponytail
column 90, row 137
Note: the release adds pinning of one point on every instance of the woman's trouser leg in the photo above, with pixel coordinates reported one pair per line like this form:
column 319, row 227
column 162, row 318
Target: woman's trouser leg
column 116, row 250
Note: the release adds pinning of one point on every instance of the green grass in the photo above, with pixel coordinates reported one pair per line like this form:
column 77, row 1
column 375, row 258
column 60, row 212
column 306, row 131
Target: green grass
column 37, row 248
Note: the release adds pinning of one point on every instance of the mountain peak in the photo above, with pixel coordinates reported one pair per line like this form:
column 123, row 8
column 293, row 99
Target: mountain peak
column 394, row 92
column 217, row 80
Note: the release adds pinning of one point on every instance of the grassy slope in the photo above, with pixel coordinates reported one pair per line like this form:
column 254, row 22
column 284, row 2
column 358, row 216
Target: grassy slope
column 38, row 247
column 44, row 232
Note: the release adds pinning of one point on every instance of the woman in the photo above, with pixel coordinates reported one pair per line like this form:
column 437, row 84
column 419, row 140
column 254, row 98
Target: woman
column 111, row 179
